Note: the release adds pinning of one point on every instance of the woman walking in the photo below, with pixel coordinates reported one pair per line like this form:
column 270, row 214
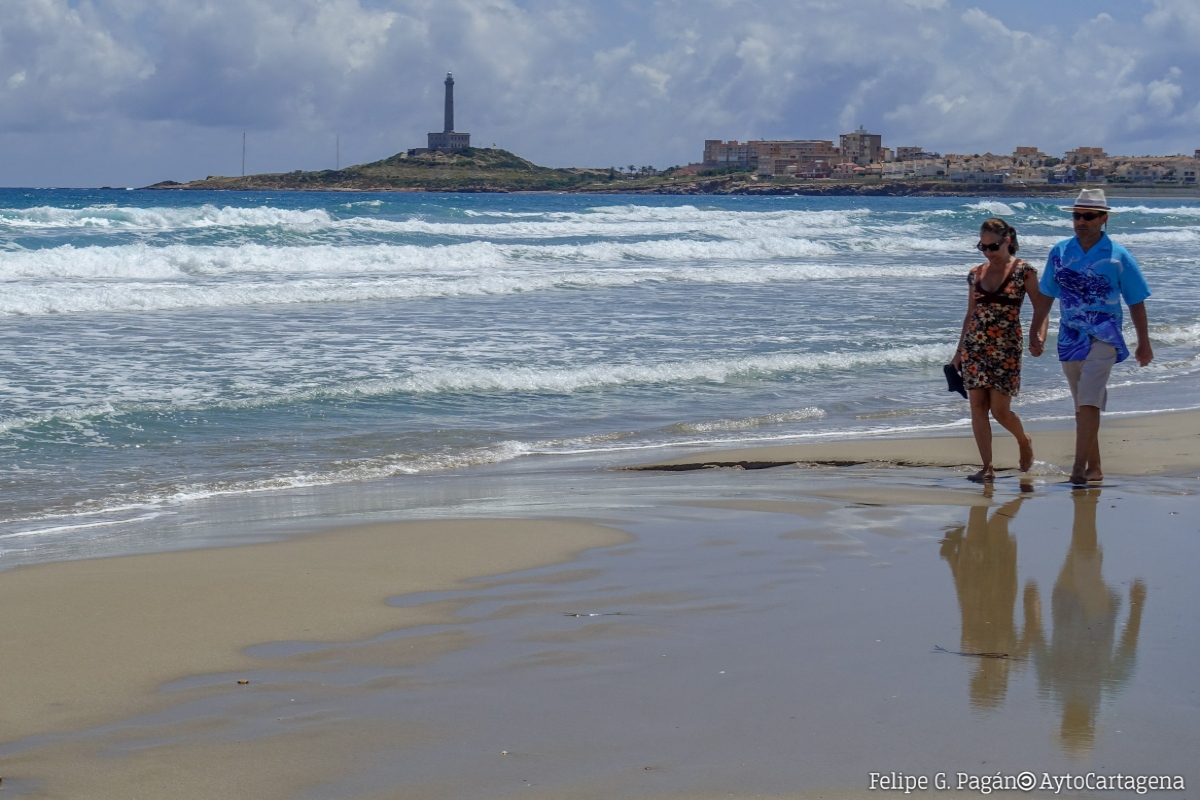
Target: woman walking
column 989, row 349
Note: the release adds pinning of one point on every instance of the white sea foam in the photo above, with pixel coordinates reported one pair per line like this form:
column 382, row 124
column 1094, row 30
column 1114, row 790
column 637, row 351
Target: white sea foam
column 152, row 500
column 626, row 221
column 1176, row 334
column 112, row 217
column 1174, row 211
column 748, row 423
column 573, row 379
column 517, row 379
column 1168, row 236
column 601, row 221
column 142, row 278
column 993, row 207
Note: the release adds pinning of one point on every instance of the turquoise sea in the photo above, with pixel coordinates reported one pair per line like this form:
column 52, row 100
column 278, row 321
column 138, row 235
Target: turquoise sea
column 160, row 351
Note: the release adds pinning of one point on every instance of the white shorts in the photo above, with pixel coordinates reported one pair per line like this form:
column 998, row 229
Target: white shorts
column 1089, row 378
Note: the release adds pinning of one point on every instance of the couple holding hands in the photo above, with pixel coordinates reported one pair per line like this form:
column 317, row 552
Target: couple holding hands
column 1090, row 275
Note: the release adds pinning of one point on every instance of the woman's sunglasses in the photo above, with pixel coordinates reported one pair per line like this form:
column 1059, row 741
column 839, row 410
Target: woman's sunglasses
column 988, row 248
column 1087, row 216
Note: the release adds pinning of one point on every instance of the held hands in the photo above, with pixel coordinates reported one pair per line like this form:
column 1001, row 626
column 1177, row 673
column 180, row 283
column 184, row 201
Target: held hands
column 956, row 362
column 1144, row 353
column 1037, row 345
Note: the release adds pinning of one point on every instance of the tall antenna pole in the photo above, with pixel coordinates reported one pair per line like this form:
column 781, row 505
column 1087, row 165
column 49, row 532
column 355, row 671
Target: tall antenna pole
column 243, row 154
column 338, row 149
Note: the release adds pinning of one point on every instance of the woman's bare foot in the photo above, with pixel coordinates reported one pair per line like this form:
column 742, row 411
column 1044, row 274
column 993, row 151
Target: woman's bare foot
column 1094, row 477
column 1026, row 453
column 1077, row 479
column 985, row 475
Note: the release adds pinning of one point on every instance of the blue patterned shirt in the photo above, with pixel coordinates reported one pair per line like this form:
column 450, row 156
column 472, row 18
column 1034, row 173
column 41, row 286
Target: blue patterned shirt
column 1090, row 287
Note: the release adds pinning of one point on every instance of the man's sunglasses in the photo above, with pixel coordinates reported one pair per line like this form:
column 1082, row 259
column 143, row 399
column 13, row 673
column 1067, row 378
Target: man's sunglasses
column 1087, row 216
column 988, row 248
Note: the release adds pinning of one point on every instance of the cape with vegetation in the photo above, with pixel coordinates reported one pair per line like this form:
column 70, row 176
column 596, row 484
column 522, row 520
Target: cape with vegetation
column 474, row 169
column 477, row 169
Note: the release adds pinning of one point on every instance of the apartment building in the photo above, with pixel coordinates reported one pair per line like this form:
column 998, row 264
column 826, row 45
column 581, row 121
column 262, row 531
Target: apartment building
column 773, row 156
column 796, row 157
column 1172, row 169
column 861, row 147
column 730, row 154
column 1029, row 157
column 1084, row 155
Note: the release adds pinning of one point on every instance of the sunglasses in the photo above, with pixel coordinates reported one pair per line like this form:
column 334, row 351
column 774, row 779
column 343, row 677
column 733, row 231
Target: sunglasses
column 1087, row 216
column 988, row 248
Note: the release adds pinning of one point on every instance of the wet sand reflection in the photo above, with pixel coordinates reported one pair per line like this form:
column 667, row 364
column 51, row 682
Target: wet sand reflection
column 1081, row 661
column 1079, row 665
column 983, row 559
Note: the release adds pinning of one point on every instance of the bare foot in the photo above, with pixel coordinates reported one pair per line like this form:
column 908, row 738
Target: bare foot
column 1077, row 479
column 1026, row 454
column 985, row 475
column 1094, row 477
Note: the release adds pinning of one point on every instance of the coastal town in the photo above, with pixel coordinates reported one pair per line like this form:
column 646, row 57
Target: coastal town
column 859, row 163
column 862, row 155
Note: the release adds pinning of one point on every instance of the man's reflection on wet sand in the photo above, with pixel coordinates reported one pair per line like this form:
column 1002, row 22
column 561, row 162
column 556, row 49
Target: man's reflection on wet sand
column 983, row 559
column 1080, row 664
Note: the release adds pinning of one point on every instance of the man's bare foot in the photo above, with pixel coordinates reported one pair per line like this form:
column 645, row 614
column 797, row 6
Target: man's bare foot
column 985, row 475
column 1026, row 453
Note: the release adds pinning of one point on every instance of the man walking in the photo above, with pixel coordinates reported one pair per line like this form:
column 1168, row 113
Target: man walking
column 1090, row 274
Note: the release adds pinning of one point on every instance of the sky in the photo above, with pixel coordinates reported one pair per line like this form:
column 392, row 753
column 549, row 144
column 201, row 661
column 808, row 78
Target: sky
column 130, row 92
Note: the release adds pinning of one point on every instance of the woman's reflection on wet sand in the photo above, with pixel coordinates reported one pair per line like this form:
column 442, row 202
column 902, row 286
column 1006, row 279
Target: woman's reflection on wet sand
column 983, row 559
column 1079, row 665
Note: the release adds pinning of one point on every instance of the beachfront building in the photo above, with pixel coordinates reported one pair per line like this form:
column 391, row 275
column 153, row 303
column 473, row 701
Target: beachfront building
column 449, row 139
column 846, row 170
column 735, row 154
column 1141, row 171
column 861, row 147
column 1084, row 155
column 1156, row 169
column 772, row 157
column 1029, row 157
column 801, row 157
column 915, row 168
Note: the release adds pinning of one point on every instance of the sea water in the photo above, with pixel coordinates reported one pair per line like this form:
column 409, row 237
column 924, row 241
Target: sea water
column 160, row 348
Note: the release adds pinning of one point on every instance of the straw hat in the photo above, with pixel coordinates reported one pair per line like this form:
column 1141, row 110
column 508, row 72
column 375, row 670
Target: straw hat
column 1089, row 200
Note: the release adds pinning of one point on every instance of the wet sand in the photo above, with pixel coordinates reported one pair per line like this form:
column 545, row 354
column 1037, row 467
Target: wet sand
column 1145, row 445
column 86, row 643
column 735, row 634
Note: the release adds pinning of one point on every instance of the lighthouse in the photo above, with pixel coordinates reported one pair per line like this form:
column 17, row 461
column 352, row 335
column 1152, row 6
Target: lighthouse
column 448, row 139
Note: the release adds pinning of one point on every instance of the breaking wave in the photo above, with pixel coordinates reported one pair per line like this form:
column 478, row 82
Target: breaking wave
column 144, row 278
column 528, row 380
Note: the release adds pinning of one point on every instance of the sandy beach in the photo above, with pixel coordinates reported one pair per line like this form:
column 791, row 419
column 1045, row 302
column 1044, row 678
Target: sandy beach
column 737, row 633
column 90, row 642
column 1133, row 445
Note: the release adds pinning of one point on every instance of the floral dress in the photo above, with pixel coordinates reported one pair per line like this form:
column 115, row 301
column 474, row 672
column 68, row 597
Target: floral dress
column 993, row 344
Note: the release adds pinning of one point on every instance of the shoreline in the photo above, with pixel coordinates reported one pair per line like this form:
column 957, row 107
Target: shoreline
column 400, row 649
column 1142, row 444
column 896, row 189
column 725, row 646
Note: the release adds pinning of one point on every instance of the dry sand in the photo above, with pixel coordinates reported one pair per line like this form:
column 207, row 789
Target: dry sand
column 1149, row 445
column 86, row 643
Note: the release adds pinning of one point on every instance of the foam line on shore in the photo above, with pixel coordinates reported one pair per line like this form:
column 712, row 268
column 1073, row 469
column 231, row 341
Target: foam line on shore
column 1135, row 445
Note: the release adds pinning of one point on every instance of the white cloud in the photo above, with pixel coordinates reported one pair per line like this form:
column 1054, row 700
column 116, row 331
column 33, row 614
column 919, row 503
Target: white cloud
column 581, row 81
